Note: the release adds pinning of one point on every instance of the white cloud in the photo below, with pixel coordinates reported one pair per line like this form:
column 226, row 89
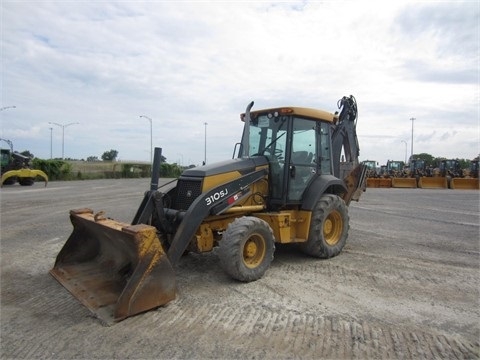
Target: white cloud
column 103, row 64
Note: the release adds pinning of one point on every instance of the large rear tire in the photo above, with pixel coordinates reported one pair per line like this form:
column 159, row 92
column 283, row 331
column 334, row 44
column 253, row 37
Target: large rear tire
column 328, row 228
column 246, row 249
column 26, row 181
column 10, row 181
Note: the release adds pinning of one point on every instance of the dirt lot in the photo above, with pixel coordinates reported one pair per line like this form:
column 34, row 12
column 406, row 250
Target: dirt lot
column 405, row 286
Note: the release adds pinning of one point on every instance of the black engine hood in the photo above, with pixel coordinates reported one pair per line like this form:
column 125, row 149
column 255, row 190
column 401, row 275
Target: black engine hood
column 244, row 166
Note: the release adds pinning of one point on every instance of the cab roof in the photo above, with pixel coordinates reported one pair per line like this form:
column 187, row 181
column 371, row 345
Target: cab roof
column 310, row 113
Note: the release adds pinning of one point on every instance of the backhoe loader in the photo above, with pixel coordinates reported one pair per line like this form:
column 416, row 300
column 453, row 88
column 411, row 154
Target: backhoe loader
column 286, row 183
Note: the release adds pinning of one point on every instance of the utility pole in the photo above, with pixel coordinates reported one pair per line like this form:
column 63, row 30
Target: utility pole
column 205, row 157
column 51, row 141
column 63, row 126
column 412, row 119
column 151, row 137
column 403, row 141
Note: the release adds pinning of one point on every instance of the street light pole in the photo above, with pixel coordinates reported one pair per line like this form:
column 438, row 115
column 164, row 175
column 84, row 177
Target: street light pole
column 63, row 126
column 151, row 136
column 7, row 107
column 51, row 132
column 205, row 157
column 403, row 141
column 181, row 159
column 412, row 119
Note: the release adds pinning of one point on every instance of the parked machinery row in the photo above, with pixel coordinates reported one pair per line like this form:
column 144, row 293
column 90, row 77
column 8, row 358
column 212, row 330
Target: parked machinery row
column 447, row 175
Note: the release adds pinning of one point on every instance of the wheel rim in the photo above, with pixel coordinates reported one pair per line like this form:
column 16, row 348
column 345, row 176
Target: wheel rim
column 254, row 251
column 332, row 228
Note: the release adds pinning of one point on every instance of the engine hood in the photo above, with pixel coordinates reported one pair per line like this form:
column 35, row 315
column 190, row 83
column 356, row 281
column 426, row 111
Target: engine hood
column 242, row 165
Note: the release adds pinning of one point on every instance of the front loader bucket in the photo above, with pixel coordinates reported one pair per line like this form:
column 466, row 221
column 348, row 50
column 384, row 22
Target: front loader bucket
column 372, row 183
column 464, row 183
column 436, row 182
column 384, row 182
column 115, row 269
column 404, row 183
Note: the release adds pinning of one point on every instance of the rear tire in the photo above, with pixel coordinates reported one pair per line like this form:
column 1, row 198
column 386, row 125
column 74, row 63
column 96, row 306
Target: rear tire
column 246, row 249
column 26, row 181
column 328, row 228
column 10, row 181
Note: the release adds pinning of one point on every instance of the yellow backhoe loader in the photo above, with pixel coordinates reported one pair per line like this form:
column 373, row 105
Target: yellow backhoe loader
column 285, row 184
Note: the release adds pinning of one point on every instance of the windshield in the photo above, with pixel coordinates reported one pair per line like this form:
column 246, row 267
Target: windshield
column 268, row 135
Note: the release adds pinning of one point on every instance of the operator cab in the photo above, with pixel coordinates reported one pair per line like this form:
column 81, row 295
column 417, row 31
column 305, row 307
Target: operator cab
column 296, row 142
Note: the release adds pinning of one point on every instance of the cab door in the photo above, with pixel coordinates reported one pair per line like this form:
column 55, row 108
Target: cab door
column 303, row 158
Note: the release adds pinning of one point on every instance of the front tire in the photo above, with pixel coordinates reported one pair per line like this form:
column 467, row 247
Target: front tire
column 328, row 228
column 246, row 249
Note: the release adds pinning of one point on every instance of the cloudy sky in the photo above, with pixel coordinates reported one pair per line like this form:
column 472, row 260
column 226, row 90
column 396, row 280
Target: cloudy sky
column 99, row 65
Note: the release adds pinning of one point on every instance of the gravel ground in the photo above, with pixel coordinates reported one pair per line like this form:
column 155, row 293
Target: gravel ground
column 405, row 286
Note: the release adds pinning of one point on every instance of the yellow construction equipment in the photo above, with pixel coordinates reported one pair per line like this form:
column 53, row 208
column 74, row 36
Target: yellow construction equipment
column 16, row 167
column 114, row 269
column 433, row 182
column 400, row 177
column 404, row 182
column 372, row 173
column 384, row 182
column 464, row 183
column 467, row 179
column 286, row 184
column 372, row 182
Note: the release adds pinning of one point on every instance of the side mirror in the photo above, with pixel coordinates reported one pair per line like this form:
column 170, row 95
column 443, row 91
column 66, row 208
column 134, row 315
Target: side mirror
column 292, row 171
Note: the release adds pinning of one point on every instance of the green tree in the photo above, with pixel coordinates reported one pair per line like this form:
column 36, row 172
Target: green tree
column 429, row 159
column 110, row 155
column 464, row 163
column 93, row 158
column 55, row 169
column 170, row 170
column 27, row 154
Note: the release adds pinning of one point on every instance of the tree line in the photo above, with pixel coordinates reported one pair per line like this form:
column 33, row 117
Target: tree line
column 62, row 169
column 431, row 161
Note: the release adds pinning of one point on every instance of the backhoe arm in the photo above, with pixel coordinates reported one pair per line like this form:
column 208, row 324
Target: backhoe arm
column 344, row 137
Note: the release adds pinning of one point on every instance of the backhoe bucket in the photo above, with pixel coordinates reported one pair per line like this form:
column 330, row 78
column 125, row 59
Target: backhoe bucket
column 115, row 269
column 436, row 182
column 464, row 183
column 404, row 183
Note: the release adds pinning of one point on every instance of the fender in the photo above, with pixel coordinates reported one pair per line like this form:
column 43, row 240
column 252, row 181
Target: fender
column 318, row 187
